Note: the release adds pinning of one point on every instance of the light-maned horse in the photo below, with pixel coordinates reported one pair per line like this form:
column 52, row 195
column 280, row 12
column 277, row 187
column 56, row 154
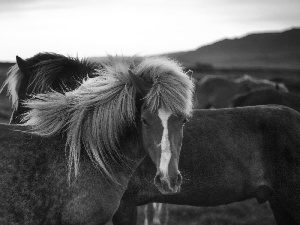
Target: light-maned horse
column 215, row 91
column 266, row 96
column 71, row 161
column 229, row 155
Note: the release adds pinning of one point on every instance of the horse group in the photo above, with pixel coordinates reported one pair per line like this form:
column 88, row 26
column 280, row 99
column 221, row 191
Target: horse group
column 94, row 141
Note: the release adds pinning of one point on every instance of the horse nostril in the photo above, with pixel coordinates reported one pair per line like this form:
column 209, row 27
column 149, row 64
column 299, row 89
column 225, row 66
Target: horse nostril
column 179, row 179
column 157, row 179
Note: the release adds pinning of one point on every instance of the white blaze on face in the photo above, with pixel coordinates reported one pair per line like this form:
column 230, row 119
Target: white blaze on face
column 165, row 143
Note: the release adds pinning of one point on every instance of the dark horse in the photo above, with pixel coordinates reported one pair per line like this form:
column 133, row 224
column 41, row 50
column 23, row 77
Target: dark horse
column 70, row 162
column 229, row 155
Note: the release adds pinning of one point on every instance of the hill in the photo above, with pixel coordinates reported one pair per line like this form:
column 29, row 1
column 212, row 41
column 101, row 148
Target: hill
column 279, row 50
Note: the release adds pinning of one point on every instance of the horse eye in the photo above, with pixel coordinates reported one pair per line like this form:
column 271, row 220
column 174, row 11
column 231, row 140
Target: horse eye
column 144, row 121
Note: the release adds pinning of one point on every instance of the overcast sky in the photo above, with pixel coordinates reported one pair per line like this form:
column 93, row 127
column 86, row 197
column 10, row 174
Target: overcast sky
column 99, row 27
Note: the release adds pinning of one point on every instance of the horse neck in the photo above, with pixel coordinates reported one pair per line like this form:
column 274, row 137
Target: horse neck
column 141, row 182
column 132, row 153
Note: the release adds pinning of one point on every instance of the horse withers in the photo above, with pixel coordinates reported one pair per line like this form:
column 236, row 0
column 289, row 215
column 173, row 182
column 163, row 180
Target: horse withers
column 100, row 126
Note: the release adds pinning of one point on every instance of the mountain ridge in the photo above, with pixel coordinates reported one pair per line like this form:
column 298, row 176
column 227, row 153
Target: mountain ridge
column 256, row 50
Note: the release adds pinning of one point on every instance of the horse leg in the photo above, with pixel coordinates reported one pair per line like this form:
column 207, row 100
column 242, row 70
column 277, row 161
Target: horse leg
column 163, row 213
column 146, row 220
column 156, row 214
column 126, row 214
column 149, row 212
column 280, row 213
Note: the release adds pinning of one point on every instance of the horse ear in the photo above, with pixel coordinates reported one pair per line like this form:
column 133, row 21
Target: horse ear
column 22, row 64
column 139, row 83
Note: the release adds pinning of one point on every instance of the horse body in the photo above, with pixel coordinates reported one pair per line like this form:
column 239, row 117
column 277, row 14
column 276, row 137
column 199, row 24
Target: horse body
column 231, row 155
column 34, row 188
column 216, row 91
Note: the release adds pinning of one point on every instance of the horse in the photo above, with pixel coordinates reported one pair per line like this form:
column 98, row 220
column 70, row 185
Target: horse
column 229, row 155
column 219, row 89
column 71, row 159
column 216, row 91
column 266, row 96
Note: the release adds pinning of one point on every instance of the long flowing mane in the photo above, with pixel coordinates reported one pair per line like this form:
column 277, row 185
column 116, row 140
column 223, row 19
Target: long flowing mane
column 172, row 88
column 95, row 115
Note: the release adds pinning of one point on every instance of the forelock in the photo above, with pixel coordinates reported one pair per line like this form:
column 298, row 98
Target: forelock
column 172, row 88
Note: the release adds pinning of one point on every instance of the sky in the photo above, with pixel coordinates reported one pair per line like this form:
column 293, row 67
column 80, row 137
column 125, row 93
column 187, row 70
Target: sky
column 91, row 28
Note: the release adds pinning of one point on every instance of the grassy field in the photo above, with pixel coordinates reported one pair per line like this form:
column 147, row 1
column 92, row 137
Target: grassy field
column 241, row 213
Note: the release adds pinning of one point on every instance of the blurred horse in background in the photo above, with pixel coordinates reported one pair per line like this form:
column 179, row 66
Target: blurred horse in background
column 265, row 97
column 129, row 114
column 216, row 91
column 229, row 155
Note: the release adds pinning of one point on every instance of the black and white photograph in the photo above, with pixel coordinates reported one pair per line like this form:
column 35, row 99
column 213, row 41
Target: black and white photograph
column 149, row 112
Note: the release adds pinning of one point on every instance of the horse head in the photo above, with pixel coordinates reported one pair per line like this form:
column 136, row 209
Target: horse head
column 162, row 132
column 162, row 138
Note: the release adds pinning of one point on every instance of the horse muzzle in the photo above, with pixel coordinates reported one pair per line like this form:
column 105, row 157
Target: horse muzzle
column 168, row 185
